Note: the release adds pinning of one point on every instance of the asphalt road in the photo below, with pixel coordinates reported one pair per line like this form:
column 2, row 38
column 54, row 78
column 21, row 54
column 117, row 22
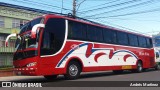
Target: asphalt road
column 107, row 77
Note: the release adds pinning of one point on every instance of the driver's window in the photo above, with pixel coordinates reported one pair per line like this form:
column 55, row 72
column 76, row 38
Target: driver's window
column 53, row 36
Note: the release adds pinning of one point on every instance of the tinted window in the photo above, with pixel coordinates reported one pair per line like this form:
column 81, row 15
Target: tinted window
column 142, row 41
column 99, row 34
column 91, row 33
column 53, row 36
column 109, row 36
column 133, row 40
column 122, row 38
column 28, row 26
column 83, row 31
column 77, row 30
column 149, row 42
column 94, row 33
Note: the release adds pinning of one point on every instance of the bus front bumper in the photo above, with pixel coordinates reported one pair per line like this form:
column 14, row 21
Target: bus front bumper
column 26, row 71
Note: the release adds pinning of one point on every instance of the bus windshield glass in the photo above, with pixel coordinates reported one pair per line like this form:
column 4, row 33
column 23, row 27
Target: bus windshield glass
column 25, row 41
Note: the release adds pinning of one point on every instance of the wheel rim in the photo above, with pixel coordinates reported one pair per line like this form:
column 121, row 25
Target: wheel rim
column 73, row 70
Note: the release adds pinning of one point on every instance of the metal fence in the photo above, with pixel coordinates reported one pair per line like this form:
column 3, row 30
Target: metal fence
column 6, row 60
column 6, row 54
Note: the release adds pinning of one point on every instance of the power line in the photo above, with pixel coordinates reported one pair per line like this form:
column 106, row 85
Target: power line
column 134, row 13
column 47, row 4
column 123, row 8
column 115, row 5
column 67, row 1
column 34, row 3
column 96, row 0
column 41, row 4
column 101, row 4
column 78, row 5
column 133, row 19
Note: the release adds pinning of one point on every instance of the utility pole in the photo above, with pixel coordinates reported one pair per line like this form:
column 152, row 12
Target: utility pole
column 74, row 8
column 62, row 7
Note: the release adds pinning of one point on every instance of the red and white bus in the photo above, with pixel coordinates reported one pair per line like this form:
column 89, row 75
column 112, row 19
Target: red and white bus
column 54, row 45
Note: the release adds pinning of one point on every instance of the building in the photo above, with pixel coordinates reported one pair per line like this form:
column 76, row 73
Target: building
column 11, row 16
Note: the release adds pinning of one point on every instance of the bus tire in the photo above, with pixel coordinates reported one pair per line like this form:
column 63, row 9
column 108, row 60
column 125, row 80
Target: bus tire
column 50, row 77
column 73, row 71
column 157, row 67
column 139, row 68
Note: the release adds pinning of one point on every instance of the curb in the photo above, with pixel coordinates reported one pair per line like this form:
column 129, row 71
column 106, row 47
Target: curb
column 6, row 73
column 6, row 69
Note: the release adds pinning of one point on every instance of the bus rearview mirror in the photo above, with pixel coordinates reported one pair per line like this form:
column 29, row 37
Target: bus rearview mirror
column 8, row 37
column 35, row 29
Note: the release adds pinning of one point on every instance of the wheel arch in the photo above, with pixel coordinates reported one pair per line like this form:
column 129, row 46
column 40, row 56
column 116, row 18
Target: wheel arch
column 75, row 59
column 140, row 60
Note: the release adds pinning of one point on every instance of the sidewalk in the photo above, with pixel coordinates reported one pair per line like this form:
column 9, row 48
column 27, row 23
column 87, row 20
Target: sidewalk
column 22, row 78
column 8, row 75
column 6, row 72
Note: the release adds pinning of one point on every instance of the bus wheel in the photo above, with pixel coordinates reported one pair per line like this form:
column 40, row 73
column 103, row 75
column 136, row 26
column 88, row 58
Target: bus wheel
column 50, row 77
column 73, row 71
column 139, row 68
column 157, row 67
column 117, row 71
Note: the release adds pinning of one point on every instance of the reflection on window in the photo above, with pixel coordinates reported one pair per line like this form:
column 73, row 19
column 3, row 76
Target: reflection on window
column 133, row 40
column 46, row 42
column 122, row 38
column 77, row 30
column 1, row 21
column 53, row 36
column 15, row 23
column 142, row 41
column 109, row 36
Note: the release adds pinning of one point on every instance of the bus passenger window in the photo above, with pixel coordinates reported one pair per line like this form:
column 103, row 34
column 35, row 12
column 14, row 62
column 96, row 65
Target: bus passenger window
column 77, row 30
column 109, row 36
column 133, row 40
column 142, row 42
column 122, row 38
column 149, row 43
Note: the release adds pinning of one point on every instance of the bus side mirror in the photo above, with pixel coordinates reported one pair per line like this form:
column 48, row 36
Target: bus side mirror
column 35, row 29
column 8, row 37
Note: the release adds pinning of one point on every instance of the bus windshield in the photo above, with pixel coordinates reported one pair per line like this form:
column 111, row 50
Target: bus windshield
column 26, row 41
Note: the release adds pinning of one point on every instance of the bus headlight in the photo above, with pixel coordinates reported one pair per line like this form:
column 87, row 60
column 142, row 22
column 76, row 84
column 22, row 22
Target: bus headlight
column 31, row 64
